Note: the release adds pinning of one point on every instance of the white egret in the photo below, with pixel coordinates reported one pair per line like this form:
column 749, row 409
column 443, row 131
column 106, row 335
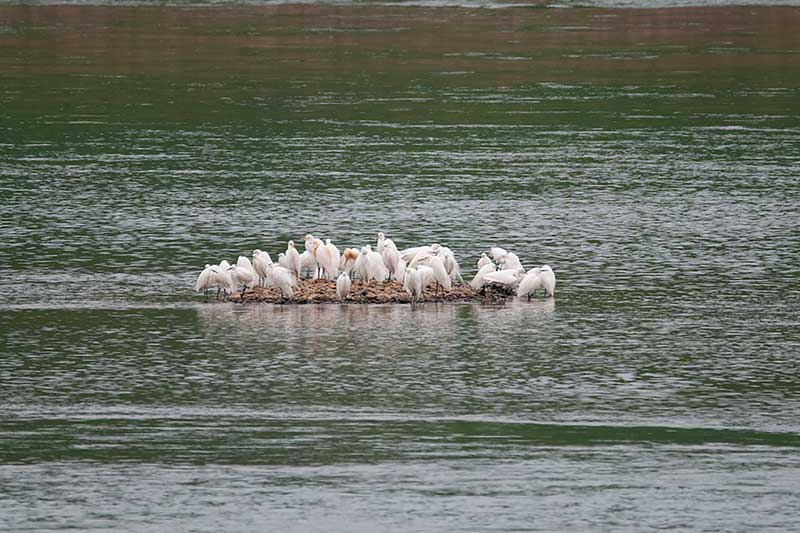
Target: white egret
column 412, row 283
column 261, row 262
column 293, row 257
column 282, row 278
column 242, row 273
column 284, row 261
column 312, row 246
column 439, row 272
column 498, row 254
column 530, row 283
column 392, row 259
column 205, row 281
column 222, row 278
column 308, row 264
column 426, row 276
column 511, row 262
column 342, row 286
column 548, row 280
column 477, row 281
column 449, row 261
column 328, row 259
column 370, row 265
column 508, row 279
column 484, row 260
column 409, row 254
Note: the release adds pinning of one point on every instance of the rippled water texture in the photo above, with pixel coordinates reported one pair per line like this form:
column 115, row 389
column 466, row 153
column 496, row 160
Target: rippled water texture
column 649, row 155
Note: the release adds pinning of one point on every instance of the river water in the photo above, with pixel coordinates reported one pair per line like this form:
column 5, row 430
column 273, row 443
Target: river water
column 649, row 155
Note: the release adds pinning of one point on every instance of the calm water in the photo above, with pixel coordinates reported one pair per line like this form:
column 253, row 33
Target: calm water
column 649, row 155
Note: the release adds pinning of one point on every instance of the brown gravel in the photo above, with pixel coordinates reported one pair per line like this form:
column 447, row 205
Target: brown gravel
column 324, row 291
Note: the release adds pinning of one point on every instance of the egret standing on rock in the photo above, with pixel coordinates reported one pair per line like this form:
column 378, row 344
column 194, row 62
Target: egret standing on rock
column 413, row 284
column 261, row 262
column 342, row 286
column 328, row 259
column 439, row 273
column 293, row 256
column 281, row 277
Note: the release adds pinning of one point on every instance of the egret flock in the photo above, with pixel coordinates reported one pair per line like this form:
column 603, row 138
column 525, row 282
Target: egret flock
column 414, row 268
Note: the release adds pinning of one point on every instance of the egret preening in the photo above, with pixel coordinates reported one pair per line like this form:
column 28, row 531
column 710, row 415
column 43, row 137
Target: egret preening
column 425, row 276
column 511, row 262
column 242, row 273
column 413, row 284
column 205, row 281
column 221, row 276
column 282, row 278
column 477, row 282
column 508, row 279
column 548, row 280
column 371, row 265
column 409, row 254
column 449, row 261
column 530, row 283
column 342, row 286
column 308, row 264
column 498, row 254
column 439, row 272
column 293, row 256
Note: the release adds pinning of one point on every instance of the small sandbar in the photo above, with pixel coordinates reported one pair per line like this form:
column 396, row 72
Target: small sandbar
column 375, row 292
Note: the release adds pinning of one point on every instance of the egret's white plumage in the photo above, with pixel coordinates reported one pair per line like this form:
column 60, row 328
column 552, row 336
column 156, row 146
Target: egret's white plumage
column 409, row 254
column 505, row 278
column 308, row 264
column 205, row 280
column 484, row 260
column 370, row 265
column 498, row 254
column 284, row 261
column 392, row 259
column 530, row 283
column 439, row 272
column 478, row 281
column 328, row 259
column 261, row 262
column 548, row 280
column 282, row 278
column 293, row 256
column 342, row 286
column 511, row 262
column 426, row 276
column 242, row 273
column 313, row 246
column 412, row 283
column 381, row 242
column 449, row 261
column 221, row 276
